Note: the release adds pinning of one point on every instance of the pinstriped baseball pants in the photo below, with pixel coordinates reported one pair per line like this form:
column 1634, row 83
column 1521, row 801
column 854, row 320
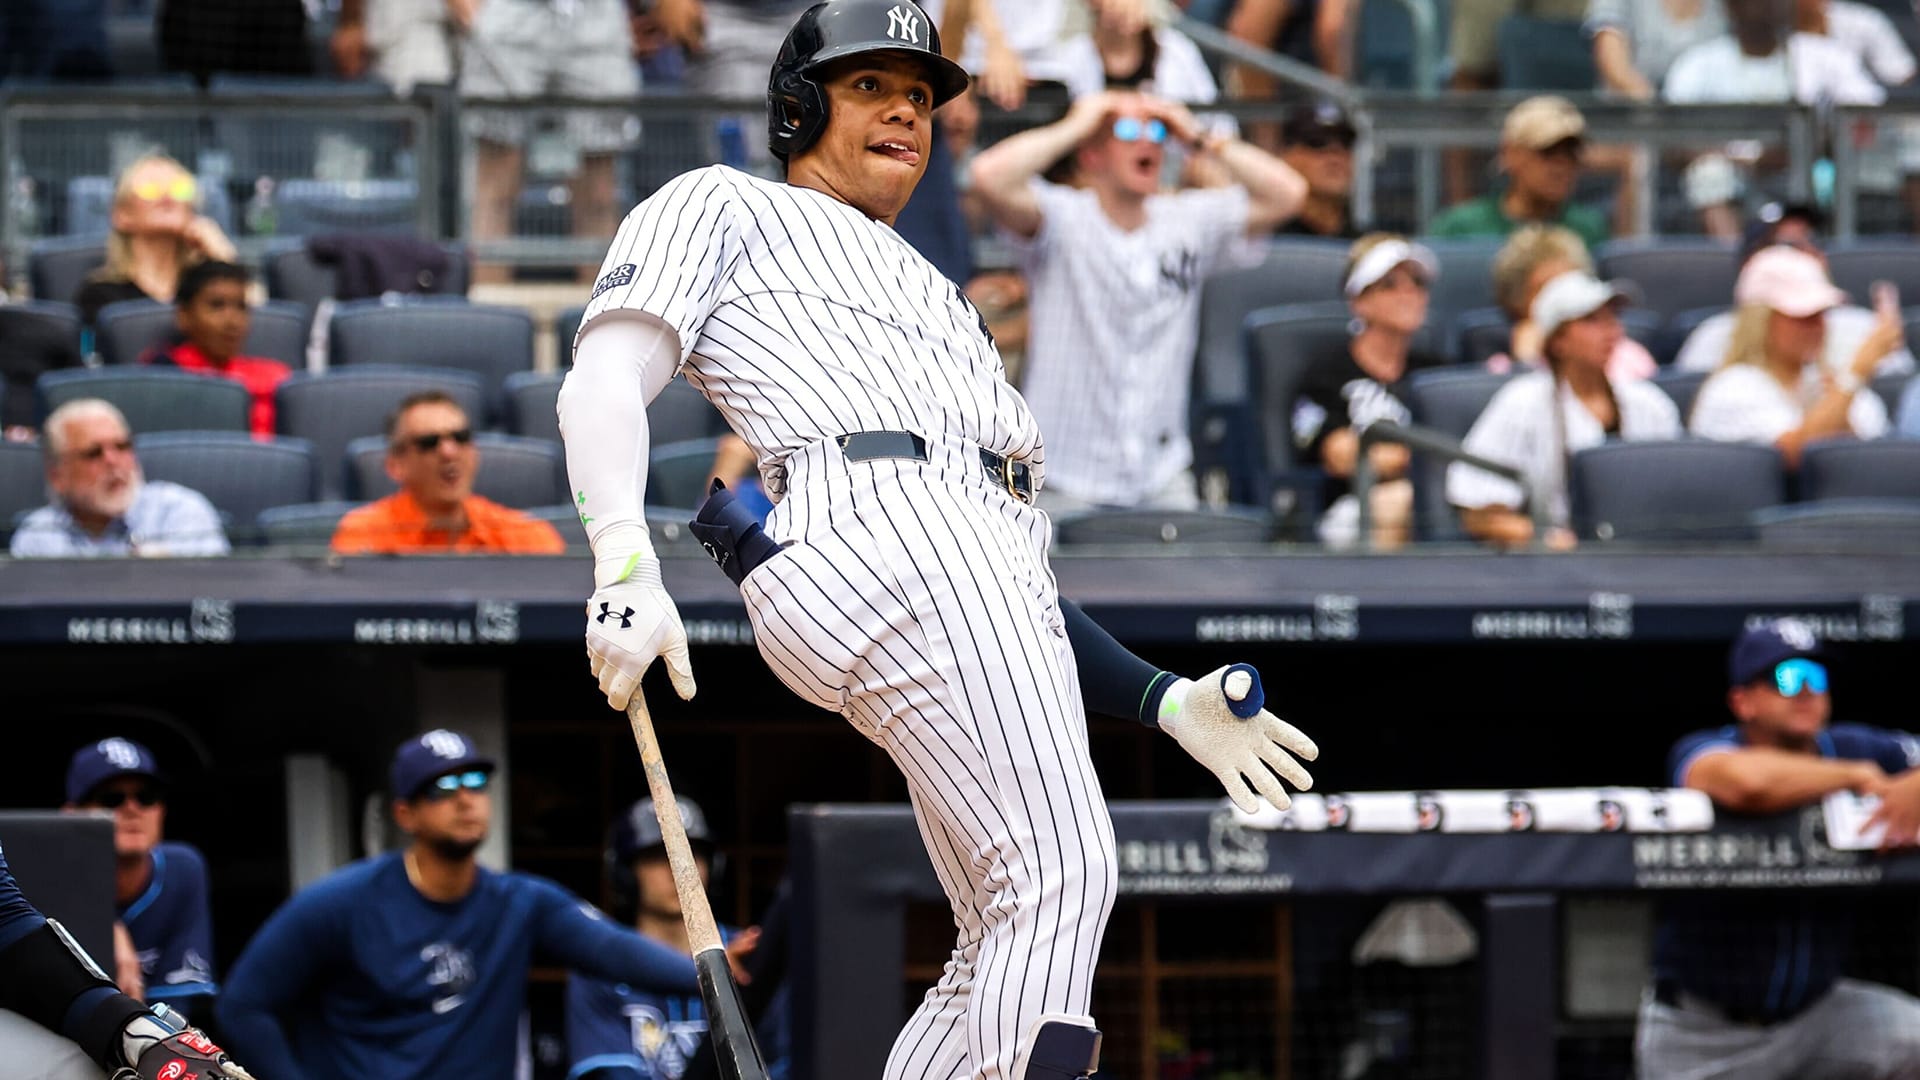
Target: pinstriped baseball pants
column 916, row 601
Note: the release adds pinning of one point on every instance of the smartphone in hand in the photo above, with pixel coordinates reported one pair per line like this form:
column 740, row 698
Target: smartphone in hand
column 1886, row 300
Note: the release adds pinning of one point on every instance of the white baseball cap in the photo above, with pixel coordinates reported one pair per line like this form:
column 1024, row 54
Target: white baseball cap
column 1380, row 260
column 1573, row 295
column 1789, row 281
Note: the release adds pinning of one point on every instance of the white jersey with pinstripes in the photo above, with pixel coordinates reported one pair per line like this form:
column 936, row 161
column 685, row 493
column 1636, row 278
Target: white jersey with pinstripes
column 801, row 319
column 912, row 597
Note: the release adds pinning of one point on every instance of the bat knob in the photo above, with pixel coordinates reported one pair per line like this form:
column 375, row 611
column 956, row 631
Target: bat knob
column 1245, row 697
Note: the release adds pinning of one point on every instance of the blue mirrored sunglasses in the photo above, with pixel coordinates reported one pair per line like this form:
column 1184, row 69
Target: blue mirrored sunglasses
column 1132, row 129
column 1795, row 677
column 443, row 786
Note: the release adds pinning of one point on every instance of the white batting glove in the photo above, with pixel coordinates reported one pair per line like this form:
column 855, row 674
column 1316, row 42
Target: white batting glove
column 1222, row 721
column 631, row 620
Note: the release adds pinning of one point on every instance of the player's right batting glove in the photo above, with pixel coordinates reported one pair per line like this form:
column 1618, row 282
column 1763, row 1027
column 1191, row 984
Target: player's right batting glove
column 1222, row 721
column 158, row 1045
column 630, row 621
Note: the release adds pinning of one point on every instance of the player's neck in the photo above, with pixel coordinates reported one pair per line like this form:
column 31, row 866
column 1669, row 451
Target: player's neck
column 666, row 929
column 802, row 174
column 438, row 878
column 131, row 876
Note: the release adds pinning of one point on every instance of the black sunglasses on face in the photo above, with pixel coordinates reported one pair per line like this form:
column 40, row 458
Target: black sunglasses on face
column 1321, row 140
column 113, row 800
column 430, row 442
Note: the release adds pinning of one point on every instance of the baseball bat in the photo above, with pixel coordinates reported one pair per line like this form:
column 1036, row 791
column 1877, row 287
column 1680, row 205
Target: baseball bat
column 729, row 1031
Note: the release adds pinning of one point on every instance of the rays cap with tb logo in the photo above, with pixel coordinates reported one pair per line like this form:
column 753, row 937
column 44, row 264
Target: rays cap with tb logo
column 432, row 755
column 109, row 759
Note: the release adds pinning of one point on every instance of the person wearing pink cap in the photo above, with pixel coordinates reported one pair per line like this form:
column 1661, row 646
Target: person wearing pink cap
column 1772, row 388
column 1539, row 420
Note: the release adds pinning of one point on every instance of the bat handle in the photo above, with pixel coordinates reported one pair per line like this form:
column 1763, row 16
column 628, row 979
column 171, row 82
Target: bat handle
column 702, row 933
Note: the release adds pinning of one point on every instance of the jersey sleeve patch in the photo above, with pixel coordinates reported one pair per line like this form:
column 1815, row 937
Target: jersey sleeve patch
column 613, row 279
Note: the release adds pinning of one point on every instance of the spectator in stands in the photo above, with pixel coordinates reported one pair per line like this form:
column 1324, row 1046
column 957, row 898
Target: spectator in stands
column 1760, row 61
column 1317, row 32
column 234, row 37
column 1540, row 147
column 414, row 963
column 1539, row 420
column 1848, row 324
column 210, row 310
column 1126, row 50
column 1636, row 41
column 1772, row 388
column 1019, row 49
column 431, row 456
column 1115, row 267
column 521, row 50
column 102, row 503
column 160, row 886
column 29, row 348
column 616, row 1031
column 1747, row 982
column 1864, row 30
column 1473, row 38
column 1343, row 393
column 158, row 232
column 1317, row 141
column 402, row 42
column 1530, row 258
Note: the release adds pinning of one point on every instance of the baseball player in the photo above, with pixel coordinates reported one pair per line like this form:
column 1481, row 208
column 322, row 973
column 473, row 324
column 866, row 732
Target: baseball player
column 46, row 978
column 901, row 580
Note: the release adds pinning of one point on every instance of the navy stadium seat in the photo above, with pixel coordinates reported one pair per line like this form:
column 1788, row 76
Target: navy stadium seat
column 1545, row 54
column 1861, row 469
column 1683, row 387
column 332, row 409
column 1842, row 525
column 292, row 274
column 240, row 475
column 491, row 342
column 154, row 399
column 1447, row 402
column 302, row 524
column 1679, row 490
column 23, row 482
column 309, row 207
column 56, row 268
column 677, row 473
column 1673, row 275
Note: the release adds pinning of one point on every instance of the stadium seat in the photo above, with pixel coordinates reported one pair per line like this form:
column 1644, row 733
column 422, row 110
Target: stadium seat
column 90, row 205
column 492, row 342
column 1857, row 265
column 677, row 473
column 565, row 518
column 565, row 326
column 1231, row 526
column 56, row 268
column 678, row 414
column 1842, row 525
column 1891, row 388
column 153, row 399
column 1684, row 490
column 1861, row 469
column 1682, row 387
column 309, row 207
column 1294, row 272
column 301, row 525
column 514, row 472
column 1681, row 326
column 332, row 409
column 1447, row 402
column 1673, row 275
column 669, row 527
column 52, row 318
column 240, row 475
column 23, row 482
column 532, row 409
column 1466, row 277
column 292, row 274
column 1545, row 54
column 1284, row 342
column 128, row 330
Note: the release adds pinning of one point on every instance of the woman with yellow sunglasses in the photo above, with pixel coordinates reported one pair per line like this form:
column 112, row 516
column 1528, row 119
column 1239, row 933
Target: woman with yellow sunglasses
column 158, row 231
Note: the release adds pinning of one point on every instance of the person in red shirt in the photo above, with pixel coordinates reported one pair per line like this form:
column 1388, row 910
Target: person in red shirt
column 210, row 309
column 430, row 454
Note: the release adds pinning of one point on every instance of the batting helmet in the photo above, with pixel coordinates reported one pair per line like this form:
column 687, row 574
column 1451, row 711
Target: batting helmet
column 825, row 32
column 637, row 832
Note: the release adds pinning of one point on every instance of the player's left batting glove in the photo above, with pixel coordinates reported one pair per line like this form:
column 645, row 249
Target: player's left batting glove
column 1222, row 721
column 158, row 1045
column 631, row 620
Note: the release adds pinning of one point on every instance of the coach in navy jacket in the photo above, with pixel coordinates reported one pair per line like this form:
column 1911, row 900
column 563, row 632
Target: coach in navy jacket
column 413, row 965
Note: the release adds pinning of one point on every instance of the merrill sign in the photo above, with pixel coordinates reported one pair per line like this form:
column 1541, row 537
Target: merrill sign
column 1233, row 859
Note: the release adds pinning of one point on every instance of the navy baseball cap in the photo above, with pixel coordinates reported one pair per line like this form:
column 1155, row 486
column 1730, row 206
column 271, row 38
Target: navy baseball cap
column 108, row 759
column 638, row 830
column 1759, row 648
column 432, row 755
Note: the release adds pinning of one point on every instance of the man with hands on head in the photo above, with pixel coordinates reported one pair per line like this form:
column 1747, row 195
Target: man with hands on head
column 1115, row 266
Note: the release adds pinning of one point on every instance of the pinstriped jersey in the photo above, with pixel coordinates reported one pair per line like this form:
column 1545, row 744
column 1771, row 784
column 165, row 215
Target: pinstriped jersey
column 802, row 319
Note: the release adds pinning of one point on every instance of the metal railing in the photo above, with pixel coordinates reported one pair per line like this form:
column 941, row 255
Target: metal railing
column 1441, row 445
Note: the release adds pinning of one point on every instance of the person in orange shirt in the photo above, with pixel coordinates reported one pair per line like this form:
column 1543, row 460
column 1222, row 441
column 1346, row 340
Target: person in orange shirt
column 430, row 454
column 210, row 309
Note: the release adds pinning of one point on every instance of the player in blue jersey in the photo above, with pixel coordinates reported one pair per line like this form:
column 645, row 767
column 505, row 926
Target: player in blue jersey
column 160, row 887
column 1747, row 983
column 48, row 982
column 413, row 965
column 618, row 1031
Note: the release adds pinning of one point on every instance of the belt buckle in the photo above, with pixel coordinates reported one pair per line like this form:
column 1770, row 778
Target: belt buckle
column 1009, row 478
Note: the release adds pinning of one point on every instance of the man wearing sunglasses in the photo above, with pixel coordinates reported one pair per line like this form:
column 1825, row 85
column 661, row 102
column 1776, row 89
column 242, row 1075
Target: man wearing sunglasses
column 160, row 886
column 1541, row 144
column 1317, row 141
column 1747, row 984
column 102, row 503
column 431, row 456
column 1115, row 266
column 413, row 964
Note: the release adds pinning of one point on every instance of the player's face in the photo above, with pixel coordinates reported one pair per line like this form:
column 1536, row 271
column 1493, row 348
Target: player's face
column 432, row 456
column 1774, row 718
column 453, row 822
column 216, row 320
column 1129, row 152
column 96, row 475
column 879, row 132
column 139, row 815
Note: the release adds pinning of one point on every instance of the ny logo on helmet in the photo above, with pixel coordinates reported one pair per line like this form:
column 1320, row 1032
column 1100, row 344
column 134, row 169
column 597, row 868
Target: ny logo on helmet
column 903, row 25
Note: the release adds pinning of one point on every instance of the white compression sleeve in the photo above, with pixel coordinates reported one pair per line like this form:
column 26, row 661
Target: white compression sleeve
column 620, row 364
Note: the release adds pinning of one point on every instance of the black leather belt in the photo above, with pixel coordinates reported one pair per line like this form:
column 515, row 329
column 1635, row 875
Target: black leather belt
column 868, row 445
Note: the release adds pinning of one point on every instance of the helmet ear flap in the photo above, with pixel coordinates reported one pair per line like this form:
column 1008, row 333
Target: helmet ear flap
column 796, row 114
